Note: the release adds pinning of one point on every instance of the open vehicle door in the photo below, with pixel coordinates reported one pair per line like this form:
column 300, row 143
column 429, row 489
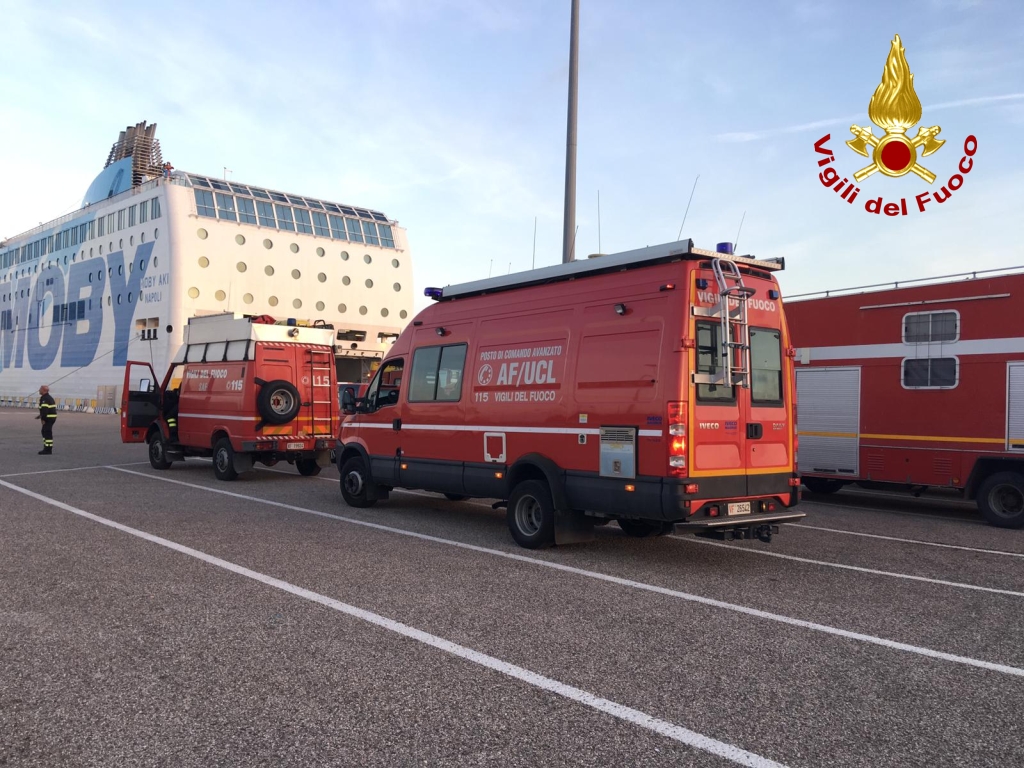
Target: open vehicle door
column 140, row 401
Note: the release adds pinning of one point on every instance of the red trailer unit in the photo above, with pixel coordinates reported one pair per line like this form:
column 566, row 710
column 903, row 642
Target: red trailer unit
column 916, row 385
column 652, row 387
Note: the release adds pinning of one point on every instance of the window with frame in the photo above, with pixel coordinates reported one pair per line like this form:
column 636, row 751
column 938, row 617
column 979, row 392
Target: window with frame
column 765, row 366
column 437, row 374
column 131, row 215
column 302, row 222
column 284, row 218
column 154, row 208
column 928, row 327
column 931, row 373
column 320, row 227
column 226, row 207
column 338, row 228
column 370, row 232
column 709, row 361
column 143, row 213
column 386, row 385
column 353, row 231
column 386, row 237
column 246, row 211
column 120, row 220
column 204, row 203
column 266, row 214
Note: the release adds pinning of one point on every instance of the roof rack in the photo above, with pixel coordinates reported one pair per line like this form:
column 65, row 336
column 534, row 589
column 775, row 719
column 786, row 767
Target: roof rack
column 896, row 284
column 615, row 262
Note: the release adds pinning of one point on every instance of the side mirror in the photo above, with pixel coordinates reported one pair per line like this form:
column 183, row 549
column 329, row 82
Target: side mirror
column 348, row 400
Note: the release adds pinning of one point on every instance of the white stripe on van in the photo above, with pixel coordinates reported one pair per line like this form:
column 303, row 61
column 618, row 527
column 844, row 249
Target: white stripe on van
column 472, row 428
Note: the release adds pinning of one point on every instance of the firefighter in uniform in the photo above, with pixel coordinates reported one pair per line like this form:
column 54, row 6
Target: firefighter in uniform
column 48, row 416
column 171, row 412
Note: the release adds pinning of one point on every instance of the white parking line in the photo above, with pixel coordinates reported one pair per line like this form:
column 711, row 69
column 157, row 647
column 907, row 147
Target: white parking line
column 73, row 469
column 905, row 541
column 620, row 711
column 824, row 628
column 955, row 516
column 873, row 571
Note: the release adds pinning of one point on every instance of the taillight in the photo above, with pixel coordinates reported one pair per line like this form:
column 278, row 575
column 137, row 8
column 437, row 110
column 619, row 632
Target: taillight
column 677, row 439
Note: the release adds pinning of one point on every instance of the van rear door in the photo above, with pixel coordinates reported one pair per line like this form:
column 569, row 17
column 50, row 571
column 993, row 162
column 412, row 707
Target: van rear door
column 140, row 401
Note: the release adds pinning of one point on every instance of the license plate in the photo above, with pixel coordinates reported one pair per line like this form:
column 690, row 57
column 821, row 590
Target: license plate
column 300, row 446
column 739, row 508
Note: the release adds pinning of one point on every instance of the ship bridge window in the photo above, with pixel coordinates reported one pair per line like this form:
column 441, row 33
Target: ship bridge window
column 266, row 211
column 226, row 207
column 260, row 193
column 199, row 181
column 239, row 189
column 931, row 373
column 363, row 214
column 338, row 228
column 131, row 214
column 314, row 204
column 278, row 197
column 386, row 238
column 302, row 222
column 320, row 224
column 222, row 186
column 926, row 327
column 370, row 230
column 204, row 204
column 296, row 200
column 380, row 217
column 346, row 209
column 154, row 208
column 143, row 214
column 332, row 207
column 246, row 211
column 353, row 231
column 284, row 218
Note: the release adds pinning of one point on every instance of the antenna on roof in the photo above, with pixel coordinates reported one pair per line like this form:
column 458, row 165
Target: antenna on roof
column 599, row 221
column 687, row 208
column 490, row 268
column 736, row 242
column 533, row 264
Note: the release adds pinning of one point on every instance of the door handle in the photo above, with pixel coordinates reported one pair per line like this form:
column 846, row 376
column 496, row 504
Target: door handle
column 396, row 424
column 755, row 431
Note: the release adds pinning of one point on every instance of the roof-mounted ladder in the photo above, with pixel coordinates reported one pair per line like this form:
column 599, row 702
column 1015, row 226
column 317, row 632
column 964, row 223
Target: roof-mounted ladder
column 734, row 335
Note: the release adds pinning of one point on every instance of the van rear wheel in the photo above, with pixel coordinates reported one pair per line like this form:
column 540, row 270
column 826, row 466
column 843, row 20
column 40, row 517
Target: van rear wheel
column 531, row 515
column 224, row 460
column 1001, row 499
column 307, row 467
column 821, row 484
column 355, row 483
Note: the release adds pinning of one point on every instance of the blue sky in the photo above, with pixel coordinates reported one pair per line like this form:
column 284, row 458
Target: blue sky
column 449, row 116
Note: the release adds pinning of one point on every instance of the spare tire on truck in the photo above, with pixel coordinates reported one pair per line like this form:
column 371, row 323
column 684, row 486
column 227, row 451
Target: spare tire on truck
column 278, row 402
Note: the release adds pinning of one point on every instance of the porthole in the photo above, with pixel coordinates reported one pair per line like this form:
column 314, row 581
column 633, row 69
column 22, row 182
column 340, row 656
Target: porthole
column 90, row 253
column 193, row 293
column 368, row 259
column 320, row 306
column 320, row 252
column 269, row 270
column 363, row 310
column 344, row 255
column 346, row 280
column 369, row 283
column 403, row 314
column 384, row 313
column 129, row 298
column 101, row 250
column 204, row 262
column 342, row 308
column 322, row 277
column 247, row 298
column 202, row 233
column 110, row 246
column 272, row 301
column 142, row 237
column 120, row 269
column 296, row 274
column 119, row 299
column 394, row 263
column 220, row 295
column 294, row 247
column 120, row 243
column 268, row 243
column 131, row 240
column 397, row 287
column 297, row 303
column 240, row 239
column 240, row 266
column 110, row 271
column 108, row 301
column 131, row 267
column 156, row 234
column 155, row 261
column 90, row 277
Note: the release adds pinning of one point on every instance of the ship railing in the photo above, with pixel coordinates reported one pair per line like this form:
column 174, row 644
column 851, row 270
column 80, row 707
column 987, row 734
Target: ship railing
column 875, row 287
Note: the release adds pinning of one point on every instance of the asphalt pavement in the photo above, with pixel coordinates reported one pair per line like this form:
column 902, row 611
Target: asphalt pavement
column 165, row 618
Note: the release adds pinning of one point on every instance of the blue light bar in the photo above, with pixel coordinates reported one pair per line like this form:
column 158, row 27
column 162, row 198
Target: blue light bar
column 432, row 293
column 724, row 248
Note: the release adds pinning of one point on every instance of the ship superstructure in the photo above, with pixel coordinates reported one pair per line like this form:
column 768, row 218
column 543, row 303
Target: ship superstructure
column 152, row 246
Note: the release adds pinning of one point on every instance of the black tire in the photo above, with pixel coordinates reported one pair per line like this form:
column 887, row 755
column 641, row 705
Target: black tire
column 355, row 483
column 599, row 521
column 308, row 467
column 455, row 497
column 821, row 484
column 158, row 452
column 531, row 515
column 643, row 528
column 1001, row 499
column 224, row 460
column 278, row 402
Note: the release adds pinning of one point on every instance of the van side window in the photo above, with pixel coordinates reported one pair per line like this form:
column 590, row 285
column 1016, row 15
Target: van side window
column 765, row 366
column 386, row 385
column 709, row 358
column 437, row 374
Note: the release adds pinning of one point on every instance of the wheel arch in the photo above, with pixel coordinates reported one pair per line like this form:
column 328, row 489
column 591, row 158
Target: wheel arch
column 534, row 466
column 986, row 467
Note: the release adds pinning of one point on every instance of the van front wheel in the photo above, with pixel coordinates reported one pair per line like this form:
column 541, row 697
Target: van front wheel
column 1001, row 499
column 531, row 515
column 224, row 460
column 307, row 467
column 355, row 483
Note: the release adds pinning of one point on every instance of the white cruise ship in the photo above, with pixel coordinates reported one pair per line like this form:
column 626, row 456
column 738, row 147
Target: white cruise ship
column 152, row 246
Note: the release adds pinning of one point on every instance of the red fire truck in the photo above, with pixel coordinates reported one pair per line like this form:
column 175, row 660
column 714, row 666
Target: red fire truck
column 240, row 389
column 917, row 384
column 652, row 387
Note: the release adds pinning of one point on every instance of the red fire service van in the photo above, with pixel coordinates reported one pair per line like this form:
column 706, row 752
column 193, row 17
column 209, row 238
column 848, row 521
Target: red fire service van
column 652, row 387
column 241, row 390
column 917, row 385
